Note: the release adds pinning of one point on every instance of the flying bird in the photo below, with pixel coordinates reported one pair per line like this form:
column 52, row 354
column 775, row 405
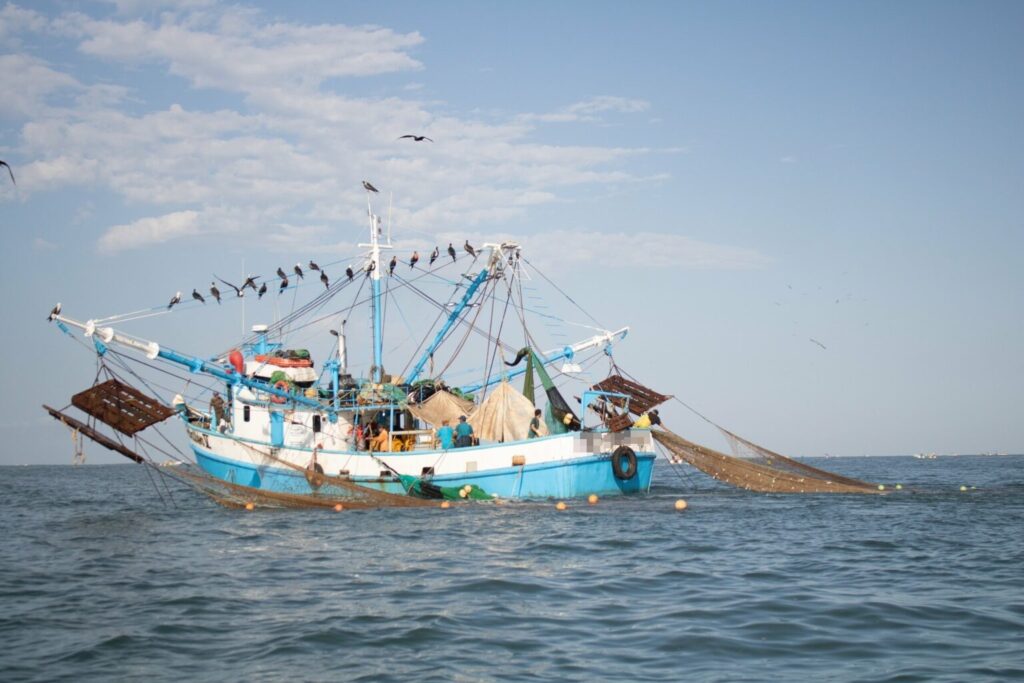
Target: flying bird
column 392, row 264
column 369, row 188
column 284, row 282
column 351, row 274
column 215, row 292
column 197, row 296
column 313, row 266
column 4, row 163
column 817, row 342
column 451, row 251
column 239, row 292
column 54, row 313
column 281, row 274
column 250, row 282
column 263, row 290
column 176, row 299
column 414, row 259
column 325, row 280
column 415, row 138
column 298, row 270
column 434, row 254
column 469, row 249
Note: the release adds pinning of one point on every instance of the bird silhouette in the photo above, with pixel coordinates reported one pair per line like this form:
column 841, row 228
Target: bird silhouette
column 392, row 264
column 313, row 266
column 414, row 259
column 176, row 299
column 451, row 251
column 298, row 270
column 197, row 296
column 284, row 283
column 370, row 268
column 238, row 291
column 263, row 290
column 281, row 274
column 415, row 138
column 369, row 187
column 350, row 273
column 250, row 282
column 4, row 163
column 818, row 343
column 325, row 280
column 54, row 313
column 215, row 292
column 433, row 255
column 469, row 249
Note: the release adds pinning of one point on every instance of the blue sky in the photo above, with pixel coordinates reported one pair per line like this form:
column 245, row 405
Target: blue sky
column 730, row 179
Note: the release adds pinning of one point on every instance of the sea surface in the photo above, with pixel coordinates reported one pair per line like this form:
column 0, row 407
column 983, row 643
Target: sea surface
column 100, row 580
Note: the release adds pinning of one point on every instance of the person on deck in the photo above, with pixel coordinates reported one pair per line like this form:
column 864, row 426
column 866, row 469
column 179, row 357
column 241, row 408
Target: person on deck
column 446, row 435
column 646, row 420
column 535, row 423
column 379, row 441
column 463, row 433
column 217, row 407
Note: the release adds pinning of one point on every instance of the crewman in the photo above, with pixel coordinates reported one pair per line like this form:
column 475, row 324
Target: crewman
column 463, row 433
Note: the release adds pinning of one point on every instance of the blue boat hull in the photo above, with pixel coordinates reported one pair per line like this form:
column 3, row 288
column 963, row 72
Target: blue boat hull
column 562, row 479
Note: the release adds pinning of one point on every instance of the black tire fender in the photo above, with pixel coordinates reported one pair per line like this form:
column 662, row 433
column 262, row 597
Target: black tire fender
column 624, row 463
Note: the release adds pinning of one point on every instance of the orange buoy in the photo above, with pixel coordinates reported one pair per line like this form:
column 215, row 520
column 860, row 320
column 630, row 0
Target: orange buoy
column 681, row 505
column 560, row 505
column 592, row 499
column 250, row 506
column 339, row 507
column 445, row 505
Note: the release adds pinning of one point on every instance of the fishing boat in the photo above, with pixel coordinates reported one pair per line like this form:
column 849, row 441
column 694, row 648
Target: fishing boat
column 285, row 425
column 266, row 425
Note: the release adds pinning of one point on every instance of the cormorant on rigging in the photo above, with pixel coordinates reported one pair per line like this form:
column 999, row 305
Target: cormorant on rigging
column 369, row 187
column 414, row 259
column 263, row 290
column 54, row 313
column 313, row 266
column 197, row 296
column 215, row 292
column 415, row 138
column 176, row 299
column 281, row 274
column 469, row 249
column 4, row 163
column 284, row 282
column 451, row 251
column 325, row 280
column 351, row 274
column 519, row 356
column 298, row 270
column 250, row 282
column 434, row 254
column 391, row 266
column 370, row 268
column 238, row 291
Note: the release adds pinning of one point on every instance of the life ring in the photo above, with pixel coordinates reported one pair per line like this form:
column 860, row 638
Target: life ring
column 627, row 472
column 281, row 385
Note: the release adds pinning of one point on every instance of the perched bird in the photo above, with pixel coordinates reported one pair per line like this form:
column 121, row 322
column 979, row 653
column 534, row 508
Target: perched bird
column 451, row 251
column 325, row 280
column 391, row 266
column 284, row 282
column 313, row 266
column 369, row 188
column 250, row 282
column 370, row 268
column 239, row 292
column 4, row 163
column 298, row 270
column 281, row 274
column 263, row 290
column 414, row 259
column 434, row 254
column 55, row 312
column 215, row 292
column 415, row 138
column 519, row 356
column 176, row 299
column 469, row 249
column 351, row 274
column 197, row 296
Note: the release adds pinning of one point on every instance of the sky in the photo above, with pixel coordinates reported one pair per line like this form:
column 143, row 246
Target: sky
column 809, row 214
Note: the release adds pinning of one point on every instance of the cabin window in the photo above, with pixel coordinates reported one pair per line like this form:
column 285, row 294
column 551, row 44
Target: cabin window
column 316, row 424
column 245, row 413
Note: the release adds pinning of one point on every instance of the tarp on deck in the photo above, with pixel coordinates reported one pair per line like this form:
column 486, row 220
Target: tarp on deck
column 504, row 416
column 442, row 405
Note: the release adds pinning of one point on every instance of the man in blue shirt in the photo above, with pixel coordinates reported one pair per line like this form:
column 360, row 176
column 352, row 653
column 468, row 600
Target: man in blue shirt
column 463, row 433
column 445, row 435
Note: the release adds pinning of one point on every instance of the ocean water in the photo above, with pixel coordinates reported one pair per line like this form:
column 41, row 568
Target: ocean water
column 99, row 580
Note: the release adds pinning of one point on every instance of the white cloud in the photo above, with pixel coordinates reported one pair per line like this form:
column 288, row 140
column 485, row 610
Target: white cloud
column 147, row 231
column 588, row 110
column 28, row 84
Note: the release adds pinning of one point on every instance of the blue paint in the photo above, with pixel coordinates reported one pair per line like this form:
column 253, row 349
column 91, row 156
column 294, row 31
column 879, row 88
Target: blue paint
column 378, row 331
column 456, row 312
column 276, row 429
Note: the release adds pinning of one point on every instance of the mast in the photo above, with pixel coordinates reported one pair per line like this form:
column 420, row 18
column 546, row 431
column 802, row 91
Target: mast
column 376, row 305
